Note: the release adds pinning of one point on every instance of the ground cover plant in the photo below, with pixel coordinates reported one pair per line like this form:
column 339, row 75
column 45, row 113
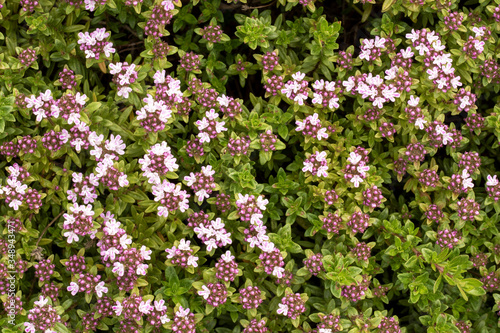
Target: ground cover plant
column 249, row 166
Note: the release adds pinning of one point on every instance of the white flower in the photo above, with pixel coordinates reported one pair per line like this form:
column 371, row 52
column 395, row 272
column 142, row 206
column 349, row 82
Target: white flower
column 145, row 253
column 362, row 169
column 30, row 328
column 422, row 49
column 267, row 247
column 205, row 293
column 182, row 313
column 145, row 307
column 227, row 257
column 478, row 31
column 42, row 301
column 413, row 100
column 141, row 269
column 379, row 102
column 100, row 289
column 467, row 183
column 455, row 82
column 72, row 237
column 447, row 138
column 73, row 288
column 118, row 308
column 160, row 305
column 299, row 76
column 110, row 253
column 322, row 171
column 333, row 103
column 413, row 36
column 349, row 84
column 492, row 180
column 219, row 127
column 223, row 100
column 420, row 123
column 118, row 268
column 407, row 53
column 112, row 227
column 211, row 244
column 124, row 91
column 192, row 261
column 124, row 241
column 282, row 309
column 308, row 166
column 115, row 68
column 184, row 245
column 391, row 73
column 21, row 188
column 356, row 180
column 354, row 158
column 123, row 181
column 278, row 271
column 321, row 156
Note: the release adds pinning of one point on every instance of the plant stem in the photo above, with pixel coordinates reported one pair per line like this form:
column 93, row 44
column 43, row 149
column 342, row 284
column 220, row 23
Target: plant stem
column 47, row 227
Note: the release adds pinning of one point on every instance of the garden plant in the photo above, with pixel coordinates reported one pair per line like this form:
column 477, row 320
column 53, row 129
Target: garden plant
column 249, row 166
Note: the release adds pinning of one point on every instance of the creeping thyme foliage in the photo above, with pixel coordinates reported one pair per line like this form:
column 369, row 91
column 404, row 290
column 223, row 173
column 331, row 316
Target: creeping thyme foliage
column 249, row 166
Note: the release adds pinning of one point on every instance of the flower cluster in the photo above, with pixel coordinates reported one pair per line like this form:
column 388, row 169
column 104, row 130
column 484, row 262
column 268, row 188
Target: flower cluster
column 154, row 115
column 214, row 293
column 316, row 164
column 311, row 127
column 124, row 76
column 170, row 197
column 16, row 193
column 297, row 89
column 362, row 251
column 467, row 209
column 202, row 183
column 226, row 269
column 291, row 306
column 95, row 45
column 250, row 297
column 78, row 222
column 493, row 187
column 209, row 128
column 160, row 17
column 356, row 171
column 314, row 263
column 434, row 213
column 157, row 161
column 27, row 57
column 355, row 292
column 268, row 141
column 184, row 321
column 438, row 64
column 429, row 178
column 448, row 238
column 358, row 222
column 256, row 326
column 182, row 255
column 373, row 197
column 42, row 317
column 213, row 235
column 325, row 94
column 332, row 223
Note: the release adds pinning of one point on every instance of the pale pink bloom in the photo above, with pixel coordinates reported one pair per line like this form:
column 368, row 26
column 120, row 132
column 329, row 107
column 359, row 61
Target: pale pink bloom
column 492, row 180
column 118, row 308
column 282, row 309
column 100, row 289
column 205, row 292
column 73, row 288
column 72, row 237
